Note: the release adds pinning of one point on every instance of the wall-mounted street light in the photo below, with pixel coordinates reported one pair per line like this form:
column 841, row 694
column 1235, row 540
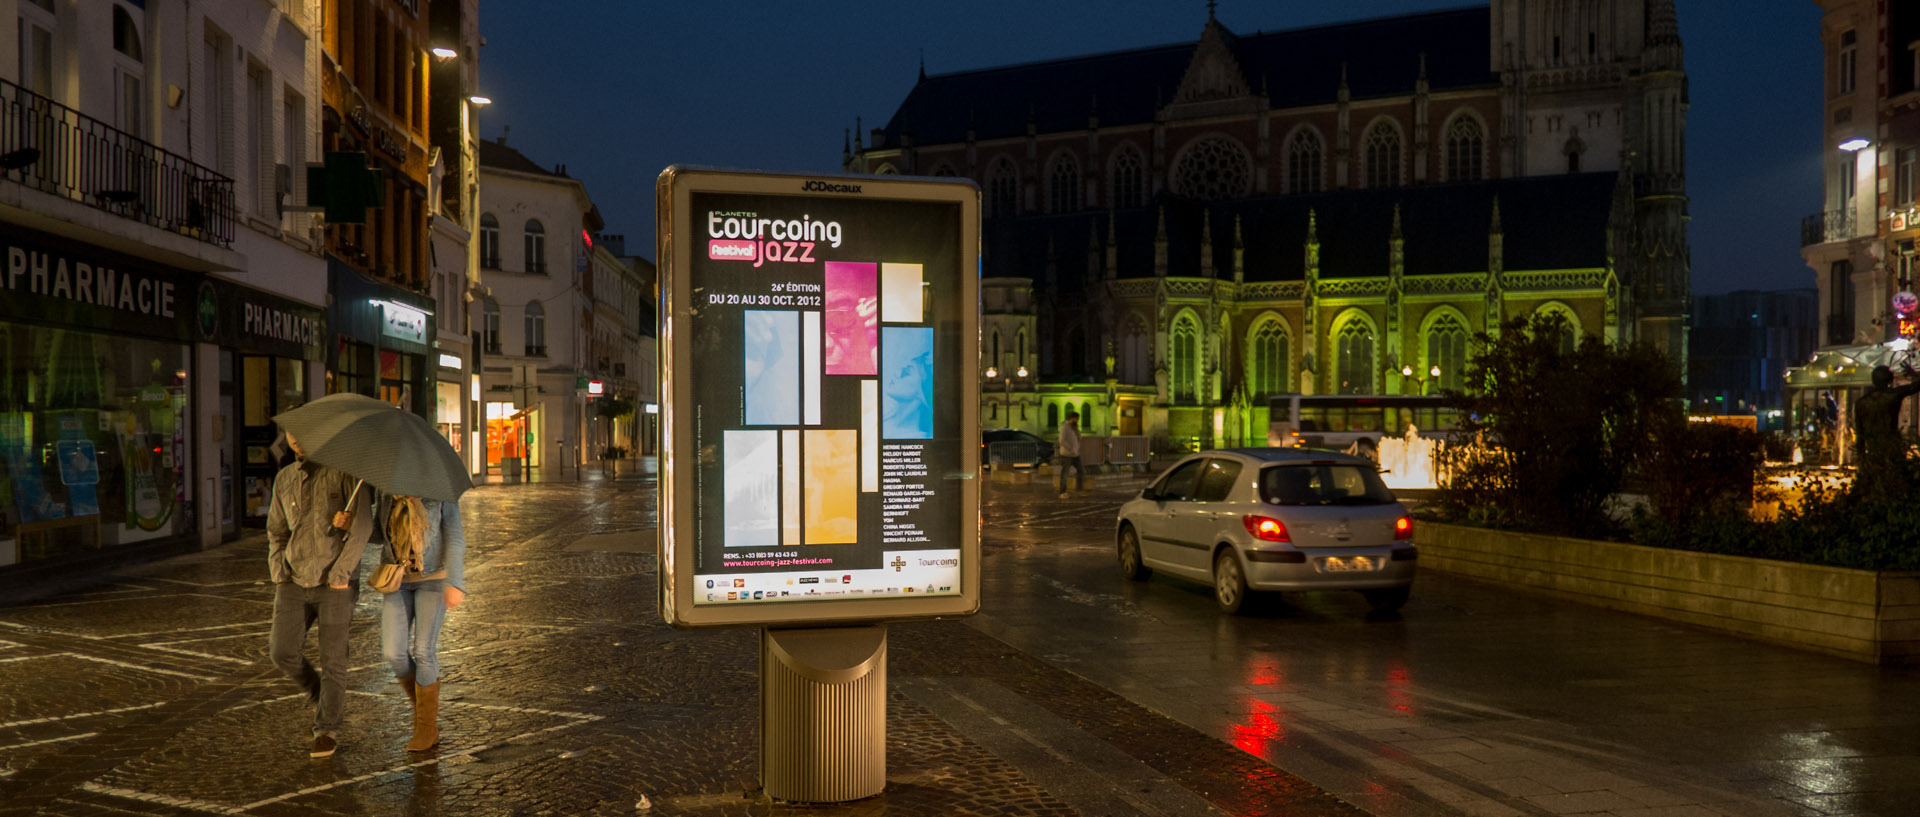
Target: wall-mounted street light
column 1854, row 144
column 479, row 100
column 443, row 52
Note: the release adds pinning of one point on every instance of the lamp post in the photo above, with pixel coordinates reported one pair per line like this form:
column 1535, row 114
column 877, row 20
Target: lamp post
column 1433, row 375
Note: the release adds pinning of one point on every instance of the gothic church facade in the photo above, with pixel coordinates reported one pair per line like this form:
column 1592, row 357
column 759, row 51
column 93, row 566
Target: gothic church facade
column 1175, row 234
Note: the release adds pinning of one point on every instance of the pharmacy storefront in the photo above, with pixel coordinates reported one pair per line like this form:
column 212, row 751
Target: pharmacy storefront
column 98, row 450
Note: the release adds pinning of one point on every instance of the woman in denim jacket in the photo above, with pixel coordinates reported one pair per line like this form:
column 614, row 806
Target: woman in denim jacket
column 428, row 533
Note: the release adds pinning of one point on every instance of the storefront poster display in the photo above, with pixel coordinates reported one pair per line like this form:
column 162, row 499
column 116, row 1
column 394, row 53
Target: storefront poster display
column 822, row 451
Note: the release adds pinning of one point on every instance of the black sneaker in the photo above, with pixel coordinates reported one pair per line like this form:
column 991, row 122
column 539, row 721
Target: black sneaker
column 323, row 746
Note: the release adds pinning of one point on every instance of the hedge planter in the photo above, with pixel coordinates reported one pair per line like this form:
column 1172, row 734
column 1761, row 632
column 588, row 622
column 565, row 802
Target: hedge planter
column 1860, row 614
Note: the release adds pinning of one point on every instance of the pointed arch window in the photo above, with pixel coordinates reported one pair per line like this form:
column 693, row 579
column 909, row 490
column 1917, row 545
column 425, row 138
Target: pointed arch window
column 1304, row 162
column 1268, row 358
column 1063, row 185
column 535, row 246
column 1135, row 362
column 1354, row 358
column 1465, row 150
column 1383, row 155
column 1447, row 349
column 1185, row 356
column 1129, row 189
column 1003, row 188
column 489, row 241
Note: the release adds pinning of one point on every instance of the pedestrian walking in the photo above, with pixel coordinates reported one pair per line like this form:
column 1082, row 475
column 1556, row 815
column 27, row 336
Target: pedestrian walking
column 1066, row 453
column 426, row 538
column 318, row 523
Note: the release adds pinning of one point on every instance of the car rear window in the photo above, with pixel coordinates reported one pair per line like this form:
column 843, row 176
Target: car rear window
column 1323, row 483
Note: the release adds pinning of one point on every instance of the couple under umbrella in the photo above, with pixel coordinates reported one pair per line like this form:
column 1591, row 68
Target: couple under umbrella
column 323, row 512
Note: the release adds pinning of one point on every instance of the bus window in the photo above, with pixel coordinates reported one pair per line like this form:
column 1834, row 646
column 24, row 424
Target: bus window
column 1364, row 419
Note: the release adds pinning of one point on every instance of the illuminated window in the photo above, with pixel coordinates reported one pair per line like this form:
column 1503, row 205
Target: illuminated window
column 1128, row 179
column 1354, row 358
column 1383, row 155
column 1447, row 349
column 1185, row 356
column 1267, row 358
column 1465, row 142
column 1304, row 163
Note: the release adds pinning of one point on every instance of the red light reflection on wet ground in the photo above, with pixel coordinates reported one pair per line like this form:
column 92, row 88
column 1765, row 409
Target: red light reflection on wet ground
column 1260, row 730
column 1399, row 688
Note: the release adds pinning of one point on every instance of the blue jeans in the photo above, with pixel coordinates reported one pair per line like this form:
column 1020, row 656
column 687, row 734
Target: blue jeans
column 410, row 620
column 296, row 610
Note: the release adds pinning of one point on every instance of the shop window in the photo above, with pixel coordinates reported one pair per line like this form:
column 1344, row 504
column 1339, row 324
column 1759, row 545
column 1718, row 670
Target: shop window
column 95, row 437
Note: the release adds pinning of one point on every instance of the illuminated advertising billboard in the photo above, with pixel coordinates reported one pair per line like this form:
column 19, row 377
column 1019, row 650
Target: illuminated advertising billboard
column 819, row 399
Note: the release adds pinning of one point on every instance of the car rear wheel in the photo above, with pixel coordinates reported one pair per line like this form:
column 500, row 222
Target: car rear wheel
column 1130, row 564
column 1229, row 583
column 1388, row 599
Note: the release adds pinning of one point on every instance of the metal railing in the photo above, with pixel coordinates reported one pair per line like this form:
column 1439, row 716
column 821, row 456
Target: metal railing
column 1831, row 225
column 55, row 149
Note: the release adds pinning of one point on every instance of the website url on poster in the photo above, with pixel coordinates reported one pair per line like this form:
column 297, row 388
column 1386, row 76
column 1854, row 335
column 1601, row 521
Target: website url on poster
column 775, row 562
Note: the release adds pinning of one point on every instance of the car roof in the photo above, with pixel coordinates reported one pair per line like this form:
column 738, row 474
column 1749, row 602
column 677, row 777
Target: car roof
column 1293, row 455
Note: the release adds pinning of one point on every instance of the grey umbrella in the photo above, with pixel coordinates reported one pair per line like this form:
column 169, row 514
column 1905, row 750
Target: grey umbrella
column 396, row 451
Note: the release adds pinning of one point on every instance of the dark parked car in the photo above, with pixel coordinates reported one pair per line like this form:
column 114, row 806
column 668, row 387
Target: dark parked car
column 1013, row 448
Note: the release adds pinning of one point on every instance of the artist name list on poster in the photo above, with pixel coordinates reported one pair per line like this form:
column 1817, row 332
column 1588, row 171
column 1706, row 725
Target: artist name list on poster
column 779, row 293
column 903, row 487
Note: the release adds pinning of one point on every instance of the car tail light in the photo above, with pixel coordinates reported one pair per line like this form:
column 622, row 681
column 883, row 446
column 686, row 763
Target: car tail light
column 1403, row 528
column 1266, row 528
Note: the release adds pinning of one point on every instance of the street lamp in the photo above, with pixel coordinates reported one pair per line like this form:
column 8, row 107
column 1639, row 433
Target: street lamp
column 1433, row 375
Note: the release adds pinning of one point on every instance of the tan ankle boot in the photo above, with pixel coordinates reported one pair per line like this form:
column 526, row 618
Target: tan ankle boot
column 426, row 717
column 407, row 684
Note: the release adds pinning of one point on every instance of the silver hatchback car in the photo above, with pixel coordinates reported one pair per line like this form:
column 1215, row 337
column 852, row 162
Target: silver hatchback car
column 1270, row 519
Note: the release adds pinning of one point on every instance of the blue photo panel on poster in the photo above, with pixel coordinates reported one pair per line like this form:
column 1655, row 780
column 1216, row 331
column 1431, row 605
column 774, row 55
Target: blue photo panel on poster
column 906, row 368
column 771, row 366
column 753, row 488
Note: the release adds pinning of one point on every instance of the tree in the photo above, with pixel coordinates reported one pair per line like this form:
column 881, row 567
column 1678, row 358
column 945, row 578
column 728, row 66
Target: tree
column 1560, row 428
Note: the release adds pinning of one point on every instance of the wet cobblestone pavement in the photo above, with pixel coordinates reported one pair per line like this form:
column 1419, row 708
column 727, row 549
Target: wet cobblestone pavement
column 150, row 694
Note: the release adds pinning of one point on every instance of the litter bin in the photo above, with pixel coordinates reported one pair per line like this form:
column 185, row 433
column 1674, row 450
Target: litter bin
column 510, row 469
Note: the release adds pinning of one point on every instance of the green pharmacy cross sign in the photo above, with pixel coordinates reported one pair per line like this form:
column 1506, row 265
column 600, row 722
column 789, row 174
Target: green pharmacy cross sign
column 344, row 187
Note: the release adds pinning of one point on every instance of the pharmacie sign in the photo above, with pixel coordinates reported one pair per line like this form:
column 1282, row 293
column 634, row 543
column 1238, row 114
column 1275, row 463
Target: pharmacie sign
column 56, row 280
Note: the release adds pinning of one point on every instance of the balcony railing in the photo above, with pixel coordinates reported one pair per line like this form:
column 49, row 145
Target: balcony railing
column 1820, row 228
column 55, row 149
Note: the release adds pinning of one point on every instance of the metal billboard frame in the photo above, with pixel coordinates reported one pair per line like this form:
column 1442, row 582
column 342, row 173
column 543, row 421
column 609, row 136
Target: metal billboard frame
column 677, row 240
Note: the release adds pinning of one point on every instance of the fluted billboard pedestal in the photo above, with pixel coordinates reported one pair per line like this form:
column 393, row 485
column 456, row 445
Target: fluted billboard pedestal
column 823, row 712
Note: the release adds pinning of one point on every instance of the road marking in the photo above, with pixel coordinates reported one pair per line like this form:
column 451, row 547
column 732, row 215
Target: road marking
column 163, row 799
column 77, row 715
column 81, row 736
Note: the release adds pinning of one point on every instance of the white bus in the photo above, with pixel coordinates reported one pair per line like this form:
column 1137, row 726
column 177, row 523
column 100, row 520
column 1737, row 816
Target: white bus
column 1354, row 422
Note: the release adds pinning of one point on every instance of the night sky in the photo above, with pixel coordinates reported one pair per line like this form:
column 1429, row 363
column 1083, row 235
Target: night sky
column 619, row 89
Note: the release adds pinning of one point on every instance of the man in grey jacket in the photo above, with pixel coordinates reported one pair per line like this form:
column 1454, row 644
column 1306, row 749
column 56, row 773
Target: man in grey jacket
column 315, row 572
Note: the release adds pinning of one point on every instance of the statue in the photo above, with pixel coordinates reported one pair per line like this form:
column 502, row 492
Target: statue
column 1876, row 427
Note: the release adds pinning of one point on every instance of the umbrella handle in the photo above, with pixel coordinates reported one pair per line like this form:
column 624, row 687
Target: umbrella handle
column 345, row 533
